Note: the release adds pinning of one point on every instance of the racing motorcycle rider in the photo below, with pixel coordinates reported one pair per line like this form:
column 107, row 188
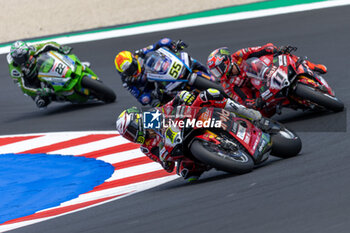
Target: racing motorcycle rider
column 23, row 69
column 228, row 68
column 130, row 125
column 133, row 75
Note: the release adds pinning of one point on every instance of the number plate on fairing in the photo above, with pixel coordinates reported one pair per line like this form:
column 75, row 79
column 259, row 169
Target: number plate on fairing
column 162, row 65
column 55, row 68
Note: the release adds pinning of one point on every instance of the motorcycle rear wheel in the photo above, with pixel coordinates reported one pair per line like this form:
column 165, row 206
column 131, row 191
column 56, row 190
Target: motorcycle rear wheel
column 319, row 98
column 101, row 91
column 237, row 162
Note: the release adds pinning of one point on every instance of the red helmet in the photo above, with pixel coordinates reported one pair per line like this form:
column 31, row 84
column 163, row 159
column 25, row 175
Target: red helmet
column 219, row 62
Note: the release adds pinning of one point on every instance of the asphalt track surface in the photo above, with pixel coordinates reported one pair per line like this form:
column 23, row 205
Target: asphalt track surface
column 307, row 193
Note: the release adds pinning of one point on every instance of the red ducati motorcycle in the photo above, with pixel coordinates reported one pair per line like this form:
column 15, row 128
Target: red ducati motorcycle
column 286, row 81
column 217, row 138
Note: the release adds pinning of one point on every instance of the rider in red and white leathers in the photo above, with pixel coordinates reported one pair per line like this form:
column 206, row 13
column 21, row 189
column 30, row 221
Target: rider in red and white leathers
column 228, row 68
column 129, row 125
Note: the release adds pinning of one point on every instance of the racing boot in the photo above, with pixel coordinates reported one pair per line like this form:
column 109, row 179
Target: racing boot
column 42, row 101
column 189, row 171
column 319, row 68
column 86, row 64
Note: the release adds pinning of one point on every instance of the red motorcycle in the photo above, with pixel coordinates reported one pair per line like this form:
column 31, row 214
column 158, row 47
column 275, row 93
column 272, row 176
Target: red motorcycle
column 217, row 138
column 286, row 81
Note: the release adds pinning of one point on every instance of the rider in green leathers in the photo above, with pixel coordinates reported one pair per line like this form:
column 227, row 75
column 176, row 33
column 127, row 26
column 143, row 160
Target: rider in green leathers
column 23, row 70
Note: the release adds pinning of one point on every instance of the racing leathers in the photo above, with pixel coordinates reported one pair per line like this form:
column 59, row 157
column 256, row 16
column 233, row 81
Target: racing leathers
column 26, row 76
column 157, row 148
column 149, row 92
column 242, row 88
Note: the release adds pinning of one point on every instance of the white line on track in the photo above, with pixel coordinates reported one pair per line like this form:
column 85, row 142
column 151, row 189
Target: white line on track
column 91, row 146
column 122, row 156
column 44, row 140
column 93, row 36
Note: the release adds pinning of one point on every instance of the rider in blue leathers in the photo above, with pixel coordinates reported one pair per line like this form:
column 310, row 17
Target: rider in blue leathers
column 134, row 77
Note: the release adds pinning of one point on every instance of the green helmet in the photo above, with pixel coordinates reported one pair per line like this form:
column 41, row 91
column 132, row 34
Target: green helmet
column 20, row 52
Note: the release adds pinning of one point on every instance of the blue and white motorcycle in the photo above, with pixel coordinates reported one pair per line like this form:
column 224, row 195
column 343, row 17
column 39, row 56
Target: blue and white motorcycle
column 175, row 72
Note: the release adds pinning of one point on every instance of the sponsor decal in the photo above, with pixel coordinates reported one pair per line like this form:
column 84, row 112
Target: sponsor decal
column 247, row 138
column 255, row 144
column 271, row 71
column 166, row 65
column 145, row 99
column 157, row 65
column 241, row 132
column 234, row 127
column 219, row 60
column 262, row 146
column 152, row 120
column 15, row 73
column 266, row 95
column 224, row 117
column 163, row 154
column 165, row 40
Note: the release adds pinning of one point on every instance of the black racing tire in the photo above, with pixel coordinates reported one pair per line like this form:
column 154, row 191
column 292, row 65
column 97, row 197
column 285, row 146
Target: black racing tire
column 322, row 99
column 285, row 144
column 223, row 162
column 101, row 91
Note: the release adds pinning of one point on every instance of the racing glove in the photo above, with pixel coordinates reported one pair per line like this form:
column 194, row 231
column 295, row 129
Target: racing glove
column 319, row 68
column 65, row 49
column 180, row 45
column 187, row 97
column 139, row 53
column 263, row 123
column 257, row 103
column 286, row 49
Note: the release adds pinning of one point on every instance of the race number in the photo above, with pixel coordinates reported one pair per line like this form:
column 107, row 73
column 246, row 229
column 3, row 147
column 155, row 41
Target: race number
column 175, row 69
column 60, row 68
column 277, row 80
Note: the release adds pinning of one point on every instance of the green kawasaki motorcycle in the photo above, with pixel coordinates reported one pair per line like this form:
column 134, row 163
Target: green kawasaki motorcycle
column 71, row 80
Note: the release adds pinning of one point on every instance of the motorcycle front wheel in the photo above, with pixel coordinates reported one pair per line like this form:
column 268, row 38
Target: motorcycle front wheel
column 235, row 161
column 285, row 143
column 319, row 98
